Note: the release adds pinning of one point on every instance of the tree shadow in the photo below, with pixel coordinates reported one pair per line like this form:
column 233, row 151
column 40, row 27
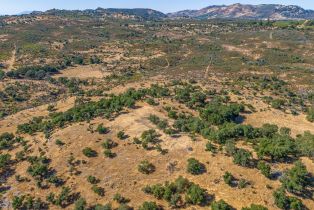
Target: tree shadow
column 276, row 175
column 207, row 200
column 7, row 173
column 4, row 189
column 239, row 119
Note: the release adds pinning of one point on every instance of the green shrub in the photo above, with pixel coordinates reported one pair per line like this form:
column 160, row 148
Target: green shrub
column 296, row 179
column 64, row 199
column 195, row 195
column 305, row 144
column 124, row 207
column 149, row 136
column 230, row 147
column 89, row 152
column 195, row 167
column 228, row 178
column 109, row 144
column 296, row 204
column 156, row 190
column 233, row 131
column 149, row 206
column 28, row 202
column 98, row 190
column 310, row 115
column 6, row 140
column 92, row 180
column 281, row 200
column 33, row 72
column 146, row 167
column 171, row 192
column 285, row 131
column 172, row 114
column 182, row 184
column 59, row 142
column 5, row 160
column 277, row 103
column 210, row 147
column 80, row 204
column 264, row 168
column 2, row 74
column 220, row 205
column 154, row 119
column 268, row 130
column 38, row 170
column 121, row 135
column 162, row 125
column 108, row 153
column 242, row 183
column 218, row 114
column 51, row 108
column 242, row 157
column 103, row 207
column 120, row 199
column 277, row 147
column 152, row 102
column 101, row 129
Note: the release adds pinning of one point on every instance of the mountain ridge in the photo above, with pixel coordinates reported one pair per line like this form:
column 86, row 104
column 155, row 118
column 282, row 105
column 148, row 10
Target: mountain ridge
column 233, row 11
column 247, row 11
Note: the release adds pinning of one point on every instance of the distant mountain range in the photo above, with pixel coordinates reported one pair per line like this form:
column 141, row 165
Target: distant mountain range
column 24, row 13
column 147, row 14
column 246, row 11
column 235, row 11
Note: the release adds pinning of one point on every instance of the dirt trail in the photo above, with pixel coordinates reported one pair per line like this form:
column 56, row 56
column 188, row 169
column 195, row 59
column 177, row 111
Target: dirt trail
column 206, row 71
column 168, row 63
column 12, row 60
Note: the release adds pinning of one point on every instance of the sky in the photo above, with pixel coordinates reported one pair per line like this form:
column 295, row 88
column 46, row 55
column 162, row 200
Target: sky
column 17, row 6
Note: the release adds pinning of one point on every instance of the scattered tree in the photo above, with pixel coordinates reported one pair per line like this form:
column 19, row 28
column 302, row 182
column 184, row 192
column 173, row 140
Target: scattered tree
column 89, row 152
column 228, row 178
column 220, row 205
column 195, row 167
column 101, row 129
column 146, row 167
column 295, row 180
column 264, row 168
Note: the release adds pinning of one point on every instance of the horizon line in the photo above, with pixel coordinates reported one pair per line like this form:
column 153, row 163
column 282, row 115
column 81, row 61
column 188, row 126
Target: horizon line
column 58, row 8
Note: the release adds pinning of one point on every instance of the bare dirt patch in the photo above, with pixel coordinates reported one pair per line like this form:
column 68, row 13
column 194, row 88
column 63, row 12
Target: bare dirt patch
column 83, row 72
column 242, row 50
column 297, row 124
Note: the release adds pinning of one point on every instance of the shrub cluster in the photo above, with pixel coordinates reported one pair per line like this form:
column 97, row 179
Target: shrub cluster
column 105, row 107
column 34, row 72
column 146, row 167
column 172, row 192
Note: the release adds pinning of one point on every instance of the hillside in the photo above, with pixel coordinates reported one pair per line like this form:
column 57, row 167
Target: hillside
column 146, row 14
column 114, row 110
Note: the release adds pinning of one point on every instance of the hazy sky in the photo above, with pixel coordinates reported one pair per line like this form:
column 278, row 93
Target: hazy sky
column 16, row 6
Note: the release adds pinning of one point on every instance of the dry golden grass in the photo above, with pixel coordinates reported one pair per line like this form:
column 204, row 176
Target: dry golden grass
column 120, row 174
column 83, row 72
